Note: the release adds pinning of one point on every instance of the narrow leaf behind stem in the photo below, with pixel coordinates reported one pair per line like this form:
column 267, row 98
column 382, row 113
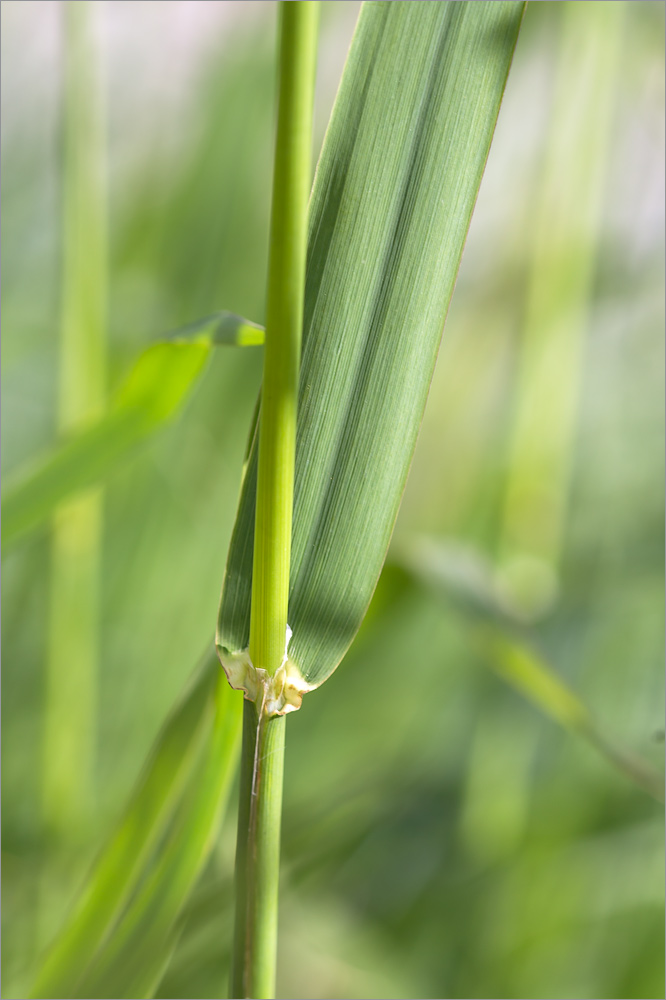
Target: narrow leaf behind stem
column 132, row 961
column 129, row 851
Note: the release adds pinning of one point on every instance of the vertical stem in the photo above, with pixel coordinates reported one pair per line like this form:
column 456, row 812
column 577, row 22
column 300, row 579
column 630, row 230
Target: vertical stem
column 71, row 680
column 258, row 856
column 258, row 847
column 284, row 321
column 566, row 242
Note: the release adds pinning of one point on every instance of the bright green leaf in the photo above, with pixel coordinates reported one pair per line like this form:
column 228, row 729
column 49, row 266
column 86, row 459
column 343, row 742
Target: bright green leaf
column 155, row 389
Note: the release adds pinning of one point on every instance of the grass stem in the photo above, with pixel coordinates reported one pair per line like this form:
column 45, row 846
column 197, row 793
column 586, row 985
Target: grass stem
column 258, row 847
column 284, row 321
column 258, row 855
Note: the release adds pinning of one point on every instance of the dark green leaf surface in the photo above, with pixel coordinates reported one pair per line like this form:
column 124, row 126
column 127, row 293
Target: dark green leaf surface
column 392, row 201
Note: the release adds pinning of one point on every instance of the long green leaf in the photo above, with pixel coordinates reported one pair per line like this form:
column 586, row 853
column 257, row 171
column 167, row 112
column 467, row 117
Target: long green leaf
column 392, row 201
column 132, row 961
column 155, row 389
column 159, row 821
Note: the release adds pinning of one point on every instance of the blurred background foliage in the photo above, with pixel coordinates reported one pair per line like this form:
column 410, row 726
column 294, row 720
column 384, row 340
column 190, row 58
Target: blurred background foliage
column 441, row 836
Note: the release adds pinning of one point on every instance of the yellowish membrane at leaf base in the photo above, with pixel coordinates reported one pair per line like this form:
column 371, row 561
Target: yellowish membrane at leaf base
column 391, row 205
column 277, row 694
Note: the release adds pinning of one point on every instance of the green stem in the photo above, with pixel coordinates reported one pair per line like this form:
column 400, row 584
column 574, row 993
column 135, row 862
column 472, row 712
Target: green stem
column 258, row 847
column 284, row 321
column 258, row 855
column 71, row 681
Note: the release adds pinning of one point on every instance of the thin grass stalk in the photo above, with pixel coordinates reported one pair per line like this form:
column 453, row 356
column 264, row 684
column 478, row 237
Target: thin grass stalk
column 258, row 846
column 73, row 642
column 559, row 292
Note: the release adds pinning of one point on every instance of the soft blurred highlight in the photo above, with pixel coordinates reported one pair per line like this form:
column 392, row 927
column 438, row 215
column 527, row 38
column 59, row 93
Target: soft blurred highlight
column 442, row 835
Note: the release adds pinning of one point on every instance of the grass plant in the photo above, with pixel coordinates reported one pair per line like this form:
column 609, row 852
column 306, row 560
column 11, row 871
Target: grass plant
column 360, row 278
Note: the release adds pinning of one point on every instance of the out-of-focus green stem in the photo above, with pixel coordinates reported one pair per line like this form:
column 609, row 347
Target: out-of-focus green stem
column 526, row 671
column 71, row 681
column 258, row 848
column 565, row 245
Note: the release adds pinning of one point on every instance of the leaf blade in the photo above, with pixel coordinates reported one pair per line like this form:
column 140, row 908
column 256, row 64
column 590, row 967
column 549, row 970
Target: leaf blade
column 127, row 854
column 132, row 960
column 391, row 205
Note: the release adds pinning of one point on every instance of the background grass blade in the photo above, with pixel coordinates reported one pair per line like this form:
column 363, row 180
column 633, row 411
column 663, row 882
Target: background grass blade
column 465, row 580
column 566, row 211
column 69, row 746
column 158, row 846
column 392, row 201
column 131, row 962
column 521, row 667
column 222, row 328
column 157, row 386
